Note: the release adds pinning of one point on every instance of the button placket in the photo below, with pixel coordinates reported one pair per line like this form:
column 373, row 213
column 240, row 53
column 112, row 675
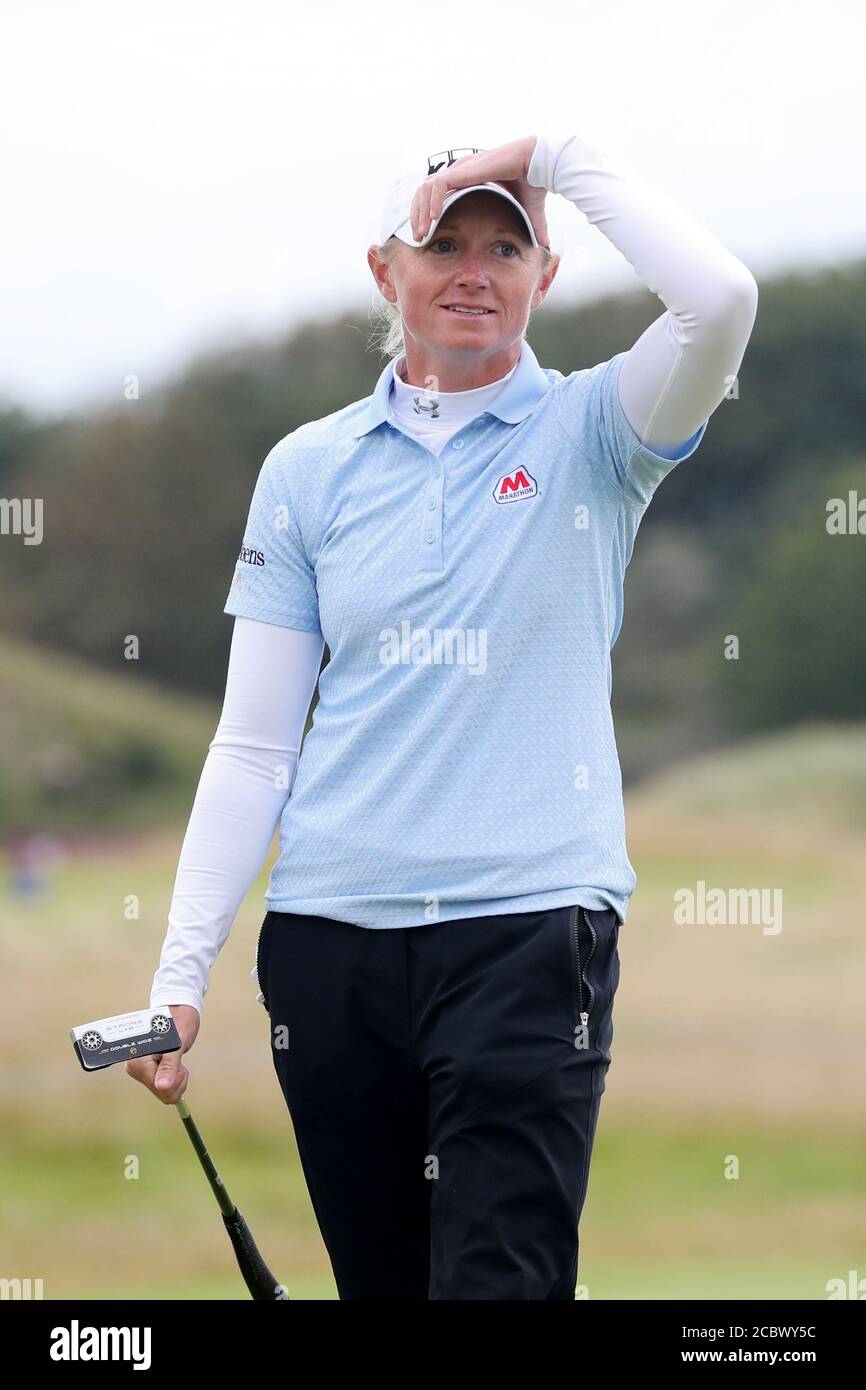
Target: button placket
column 432, row 554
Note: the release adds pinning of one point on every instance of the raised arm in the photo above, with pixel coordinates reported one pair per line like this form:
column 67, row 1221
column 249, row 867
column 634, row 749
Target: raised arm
column 245, row 782
column 680, row 369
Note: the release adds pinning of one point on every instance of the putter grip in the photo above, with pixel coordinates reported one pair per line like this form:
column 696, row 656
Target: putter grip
column 257, row 1277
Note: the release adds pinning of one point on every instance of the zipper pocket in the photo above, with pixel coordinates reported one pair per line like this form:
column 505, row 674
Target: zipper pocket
column 584, row 992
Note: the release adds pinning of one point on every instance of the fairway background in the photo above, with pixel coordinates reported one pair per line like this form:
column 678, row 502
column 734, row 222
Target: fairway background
column 727, row 1042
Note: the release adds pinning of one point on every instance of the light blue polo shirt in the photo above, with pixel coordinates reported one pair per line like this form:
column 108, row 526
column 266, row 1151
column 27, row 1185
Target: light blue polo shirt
column 462, row 759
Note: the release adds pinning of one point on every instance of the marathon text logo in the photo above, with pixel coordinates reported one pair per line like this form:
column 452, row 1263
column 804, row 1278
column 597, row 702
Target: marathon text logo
column 513, row 487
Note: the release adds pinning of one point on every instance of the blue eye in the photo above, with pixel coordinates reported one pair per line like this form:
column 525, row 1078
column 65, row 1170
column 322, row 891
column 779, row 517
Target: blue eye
column 447, row 241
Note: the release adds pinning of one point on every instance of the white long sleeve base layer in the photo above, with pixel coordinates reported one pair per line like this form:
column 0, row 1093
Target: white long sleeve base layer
column 683, row 365
column 245, row 782
column 671, row 380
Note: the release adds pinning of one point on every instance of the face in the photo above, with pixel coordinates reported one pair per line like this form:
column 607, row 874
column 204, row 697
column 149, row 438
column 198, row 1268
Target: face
column 480, row 257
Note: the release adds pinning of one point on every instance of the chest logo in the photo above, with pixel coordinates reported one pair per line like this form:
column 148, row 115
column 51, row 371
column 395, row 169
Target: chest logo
column 513, row 487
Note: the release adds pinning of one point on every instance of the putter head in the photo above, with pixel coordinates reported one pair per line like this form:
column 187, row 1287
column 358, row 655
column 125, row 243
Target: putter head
column 124, row 1037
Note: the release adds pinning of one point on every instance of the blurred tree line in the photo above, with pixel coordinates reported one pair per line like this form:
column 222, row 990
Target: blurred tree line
column 145, row 504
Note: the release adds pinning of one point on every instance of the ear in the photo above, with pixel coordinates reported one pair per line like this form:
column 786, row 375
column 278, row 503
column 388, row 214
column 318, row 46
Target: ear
column 381, row 274
column 546, row 281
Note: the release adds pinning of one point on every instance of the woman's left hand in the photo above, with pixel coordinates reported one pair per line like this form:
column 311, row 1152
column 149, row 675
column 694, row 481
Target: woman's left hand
column 507, row 164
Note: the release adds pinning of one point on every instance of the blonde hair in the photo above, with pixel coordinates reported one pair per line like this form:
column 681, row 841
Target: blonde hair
column 387, row 335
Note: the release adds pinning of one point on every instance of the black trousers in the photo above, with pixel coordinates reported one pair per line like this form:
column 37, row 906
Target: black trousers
column 444, row 1082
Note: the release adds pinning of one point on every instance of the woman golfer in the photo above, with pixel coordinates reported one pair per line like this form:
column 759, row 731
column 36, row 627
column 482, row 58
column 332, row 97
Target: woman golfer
column 439, row 958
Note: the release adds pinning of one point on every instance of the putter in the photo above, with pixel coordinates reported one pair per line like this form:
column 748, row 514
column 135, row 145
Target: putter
column 125, row 1036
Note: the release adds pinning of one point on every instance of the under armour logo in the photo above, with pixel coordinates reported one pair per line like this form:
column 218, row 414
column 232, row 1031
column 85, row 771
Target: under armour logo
column 446, row 158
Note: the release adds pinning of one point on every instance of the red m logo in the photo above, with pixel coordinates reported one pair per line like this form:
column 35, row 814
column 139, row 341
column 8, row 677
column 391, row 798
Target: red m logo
column 511, row 482
column 514, row 486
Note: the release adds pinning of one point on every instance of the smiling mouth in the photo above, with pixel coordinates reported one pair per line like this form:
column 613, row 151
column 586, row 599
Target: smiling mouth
column 467, row 313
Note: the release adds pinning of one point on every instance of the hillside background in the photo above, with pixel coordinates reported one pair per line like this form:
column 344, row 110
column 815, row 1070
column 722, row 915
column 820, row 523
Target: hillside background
column 146, row 506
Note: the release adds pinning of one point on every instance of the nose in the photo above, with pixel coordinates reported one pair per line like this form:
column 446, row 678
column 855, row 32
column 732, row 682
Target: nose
column 472, row 271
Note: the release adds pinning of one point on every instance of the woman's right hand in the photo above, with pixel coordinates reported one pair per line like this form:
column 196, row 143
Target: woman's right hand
column 163, row 1073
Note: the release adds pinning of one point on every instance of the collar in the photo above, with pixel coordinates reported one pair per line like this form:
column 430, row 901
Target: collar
column 525, row 387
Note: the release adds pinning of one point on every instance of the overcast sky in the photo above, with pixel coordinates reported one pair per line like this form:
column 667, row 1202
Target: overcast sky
column 183, row 173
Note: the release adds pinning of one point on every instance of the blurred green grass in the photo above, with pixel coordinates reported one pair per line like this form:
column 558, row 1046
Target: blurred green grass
column 82, row 748
column 661, row 1221
column 726, row 1042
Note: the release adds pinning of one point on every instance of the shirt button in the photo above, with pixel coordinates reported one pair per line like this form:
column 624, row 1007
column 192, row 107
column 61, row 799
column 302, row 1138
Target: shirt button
column 456, row 443
column 437, row 470
column 431, row 503
column 431, row 535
